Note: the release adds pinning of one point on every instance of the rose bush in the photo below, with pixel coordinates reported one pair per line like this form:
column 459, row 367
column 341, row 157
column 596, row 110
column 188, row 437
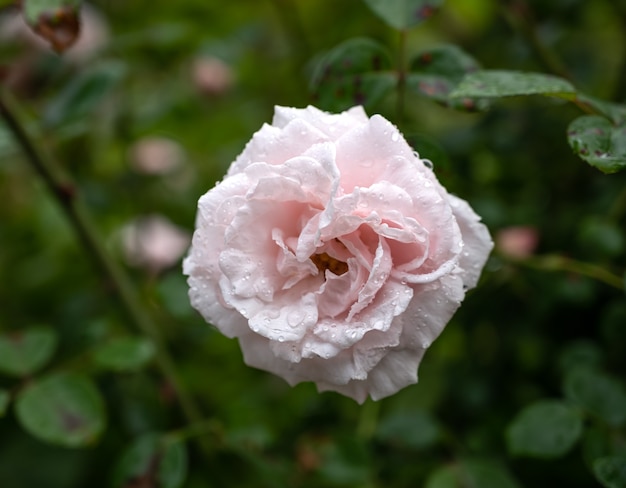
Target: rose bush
column 332, row 253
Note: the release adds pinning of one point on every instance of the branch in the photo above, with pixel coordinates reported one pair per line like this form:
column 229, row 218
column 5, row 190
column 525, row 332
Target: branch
column 553, row 262
column 65, row 193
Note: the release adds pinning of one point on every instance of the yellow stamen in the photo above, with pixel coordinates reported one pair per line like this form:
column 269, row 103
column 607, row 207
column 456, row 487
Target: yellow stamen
column 323, row 262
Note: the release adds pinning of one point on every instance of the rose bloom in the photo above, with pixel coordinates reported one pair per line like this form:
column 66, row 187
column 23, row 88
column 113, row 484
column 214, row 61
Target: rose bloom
column 332, row 253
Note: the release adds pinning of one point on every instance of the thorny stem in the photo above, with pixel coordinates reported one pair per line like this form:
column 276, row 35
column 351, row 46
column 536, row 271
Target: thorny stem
column 402, row 74
column 561, row 263
column 66, row 194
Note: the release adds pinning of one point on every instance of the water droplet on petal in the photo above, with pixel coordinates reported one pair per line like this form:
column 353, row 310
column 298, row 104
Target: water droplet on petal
column 428, row 163
column 395, row 136
column 281, row 339
column 295, row 317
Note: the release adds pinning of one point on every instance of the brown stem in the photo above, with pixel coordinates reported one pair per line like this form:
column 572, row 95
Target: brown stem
column 66, row 194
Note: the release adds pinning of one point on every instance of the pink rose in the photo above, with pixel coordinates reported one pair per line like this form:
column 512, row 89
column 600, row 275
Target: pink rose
column 333, row 253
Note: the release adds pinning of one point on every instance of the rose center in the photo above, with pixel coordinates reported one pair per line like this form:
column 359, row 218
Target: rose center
column 323, row 262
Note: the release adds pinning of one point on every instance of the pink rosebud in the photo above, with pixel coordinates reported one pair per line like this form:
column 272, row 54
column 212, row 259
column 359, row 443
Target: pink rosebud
column 154, row 243
column 156, row 155
column 332, row 253
column 211, row 75
column 517, row 242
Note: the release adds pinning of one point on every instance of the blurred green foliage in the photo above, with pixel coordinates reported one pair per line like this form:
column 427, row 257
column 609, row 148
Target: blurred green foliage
column 185, row 84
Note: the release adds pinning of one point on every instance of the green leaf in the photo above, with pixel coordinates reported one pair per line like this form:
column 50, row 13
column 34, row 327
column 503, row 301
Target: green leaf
column 546, row 429
column 402, row 14
column 5, row 399
column 596, row 140
column 597, row 393
column 596, row 443
column 436, row 72
column 603, row 235
column 124, row 354
column 346, row 462
column 81, row 96
column 57, row 21
column 613, row 111
column 354, row 73
column 580, row 353
column 611, row 471
column 24, row 352
column 64, row 409
column 415, row 429
column 153, row 460
column 477, row 473
column 33, row 9
column 494, row 83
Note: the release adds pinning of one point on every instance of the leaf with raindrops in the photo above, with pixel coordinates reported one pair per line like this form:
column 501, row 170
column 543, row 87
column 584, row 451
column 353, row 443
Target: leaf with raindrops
column 599, row 142
column 356, row 72
column 402, row 14
column 498, row 83
column 436, row 72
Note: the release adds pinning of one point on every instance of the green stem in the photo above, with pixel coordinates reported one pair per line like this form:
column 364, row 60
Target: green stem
column 66, row 195
column 205, row 428
column 560, row 263
column 618, row 209
column 368, row 420
column 296, row 35
column 402, row 75
column 620, row 83
column 517, row 14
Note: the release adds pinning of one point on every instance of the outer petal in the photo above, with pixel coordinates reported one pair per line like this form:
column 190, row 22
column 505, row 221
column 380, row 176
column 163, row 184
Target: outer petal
column 215, row 209
column 364, row 152
column 476, row 239
column 333, row 125
column 276, row 145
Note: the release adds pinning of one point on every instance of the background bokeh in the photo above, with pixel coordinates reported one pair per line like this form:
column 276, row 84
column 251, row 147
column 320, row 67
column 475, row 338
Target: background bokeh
column 147, row 113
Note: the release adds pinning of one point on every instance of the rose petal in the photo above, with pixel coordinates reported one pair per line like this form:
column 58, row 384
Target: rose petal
column 477, row 243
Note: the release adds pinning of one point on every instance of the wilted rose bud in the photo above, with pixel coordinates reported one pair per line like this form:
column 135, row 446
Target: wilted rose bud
column 92, row 37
